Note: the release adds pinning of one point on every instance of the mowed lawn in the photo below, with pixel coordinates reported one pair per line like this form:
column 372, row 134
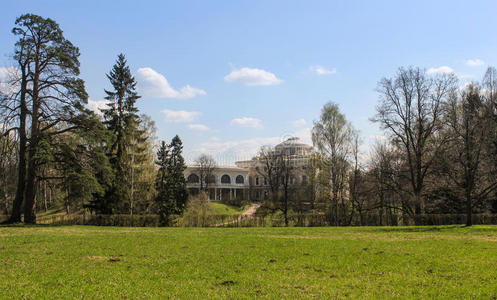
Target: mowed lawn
column 197, row 263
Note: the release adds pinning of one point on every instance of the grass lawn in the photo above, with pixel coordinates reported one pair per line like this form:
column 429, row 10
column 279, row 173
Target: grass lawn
column 197, row 263
column 225, row 209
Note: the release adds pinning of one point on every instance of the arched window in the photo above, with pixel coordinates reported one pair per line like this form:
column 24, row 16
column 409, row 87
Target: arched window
column 210, row 178
column 225, row 179
column 239, row 179
column 193, row 178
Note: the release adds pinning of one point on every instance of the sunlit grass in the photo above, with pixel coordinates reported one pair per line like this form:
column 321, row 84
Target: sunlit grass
column 225, row 209
column 376, row 262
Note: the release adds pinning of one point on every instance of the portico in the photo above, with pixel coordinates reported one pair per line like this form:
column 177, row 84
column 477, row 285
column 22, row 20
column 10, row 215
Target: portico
column 225, row 182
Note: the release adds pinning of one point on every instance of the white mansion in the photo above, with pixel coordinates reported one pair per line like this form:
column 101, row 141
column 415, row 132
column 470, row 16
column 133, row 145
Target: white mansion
column 243, row 181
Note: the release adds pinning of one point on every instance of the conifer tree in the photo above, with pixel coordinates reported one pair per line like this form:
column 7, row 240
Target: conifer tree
column 165, row 207
column 176, row 175
column 171, row 183
column 122, row 120
column 51, row 87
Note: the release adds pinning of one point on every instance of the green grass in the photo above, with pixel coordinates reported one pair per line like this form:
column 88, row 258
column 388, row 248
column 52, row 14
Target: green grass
column 197, row 263
column 225, row 209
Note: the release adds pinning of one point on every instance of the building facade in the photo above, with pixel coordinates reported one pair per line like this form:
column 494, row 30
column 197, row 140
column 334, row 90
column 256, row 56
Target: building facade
column 245, row 181
column 224, row 183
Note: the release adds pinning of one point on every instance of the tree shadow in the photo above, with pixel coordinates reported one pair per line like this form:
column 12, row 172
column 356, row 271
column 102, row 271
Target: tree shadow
column 423, row 228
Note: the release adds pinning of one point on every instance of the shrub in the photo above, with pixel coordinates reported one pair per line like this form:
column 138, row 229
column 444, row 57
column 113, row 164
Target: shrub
column 198, row 212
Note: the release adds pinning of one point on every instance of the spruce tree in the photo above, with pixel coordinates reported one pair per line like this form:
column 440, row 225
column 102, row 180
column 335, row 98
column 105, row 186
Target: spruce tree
column 171, row 183
column 122, row 120
column 176, row 175
column 165, row 207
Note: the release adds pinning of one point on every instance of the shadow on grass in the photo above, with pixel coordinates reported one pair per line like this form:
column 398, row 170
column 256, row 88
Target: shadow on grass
column 22, row 225
column 444, row 228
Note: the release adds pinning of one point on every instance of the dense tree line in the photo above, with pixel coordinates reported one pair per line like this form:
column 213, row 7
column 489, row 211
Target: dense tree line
column 438, row 156
column 56, row 153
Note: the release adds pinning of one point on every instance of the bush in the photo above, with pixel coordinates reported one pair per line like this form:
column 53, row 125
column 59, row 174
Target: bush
column 198, row 212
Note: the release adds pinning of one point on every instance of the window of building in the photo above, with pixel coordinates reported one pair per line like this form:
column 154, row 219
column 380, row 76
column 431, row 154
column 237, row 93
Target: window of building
column 256, row 180
column 193, row 178
column 265, row 181
column 304, row 179
column 225, row 179
column 210, row 178
column 239, row 179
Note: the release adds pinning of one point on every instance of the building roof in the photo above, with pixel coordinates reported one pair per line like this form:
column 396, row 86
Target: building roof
column 292, row 142
column 217, row 167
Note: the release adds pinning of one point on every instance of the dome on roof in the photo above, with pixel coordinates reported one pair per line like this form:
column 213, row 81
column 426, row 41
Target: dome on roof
column 292, row 142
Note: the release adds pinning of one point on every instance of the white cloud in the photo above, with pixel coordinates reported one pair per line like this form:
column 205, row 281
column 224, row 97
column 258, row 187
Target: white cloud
column 475, row 62
column 442, row 70
column 198, row 127
column 226, row 153
column 251, row 77
column 180, row 116
column 247, row 122
column 96, row 106
column 154, row 84
column 299, row 123
column 320, row 70
column 305, row 134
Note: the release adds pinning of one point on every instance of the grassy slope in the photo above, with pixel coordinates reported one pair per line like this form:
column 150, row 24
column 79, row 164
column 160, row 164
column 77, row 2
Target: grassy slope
column 224, row 209
column 106, row 262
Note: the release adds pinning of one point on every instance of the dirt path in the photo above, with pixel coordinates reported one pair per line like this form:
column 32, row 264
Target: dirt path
column 245, row 215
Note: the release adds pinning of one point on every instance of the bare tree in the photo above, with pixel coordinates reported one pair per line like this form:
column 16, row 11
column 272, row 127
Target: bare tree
column 388, row 178
column 410, row 110
column 206, row 165
column 268, row 166
column 332, row 137
column 469, row 123
column 8, row 165
column 14, row 110
column 286, row 169
column 278, row 171
column 356, row 181
column 490, row 86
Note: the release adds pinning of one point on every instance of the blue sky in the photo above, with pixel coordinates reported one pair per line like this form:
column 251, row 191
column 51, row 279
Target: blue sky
column 232, row 75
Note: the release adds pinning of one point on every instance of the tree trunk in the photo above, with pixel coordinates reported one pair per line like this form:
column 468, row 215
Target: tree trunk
column 30, row 205
column 45, row 195
column 6, row 196
column 469, row 208
column 21, row 170
column 286, row 207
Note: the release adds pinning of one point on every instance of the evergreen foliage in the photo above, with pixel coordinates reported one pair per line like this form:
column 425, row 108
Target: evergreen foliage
column 128, row 146
column 172, row 194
